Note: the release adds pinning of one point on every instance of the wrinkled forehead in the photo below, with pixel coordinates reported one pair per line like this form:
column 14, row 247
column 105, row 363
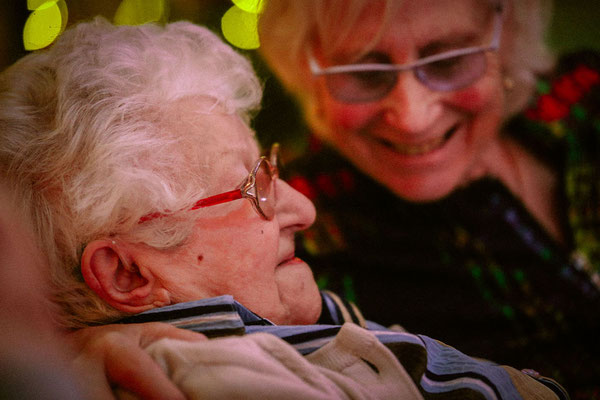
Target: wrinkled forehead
column 209, row 133
column 234, row 139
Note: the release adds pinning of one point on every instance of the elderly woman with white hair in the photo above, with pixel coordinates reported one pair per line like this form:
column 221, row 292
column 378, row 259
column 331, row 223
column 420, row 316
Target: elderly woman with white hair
column 129, row 148
column 454, row 168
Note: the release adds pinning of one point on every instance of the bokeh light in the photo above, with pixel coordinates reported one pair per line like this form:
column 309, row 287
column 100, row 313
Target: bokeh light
column 139, row 12
column 239, row 27
column 47, row 21
column 251, row 6
column 33, row 4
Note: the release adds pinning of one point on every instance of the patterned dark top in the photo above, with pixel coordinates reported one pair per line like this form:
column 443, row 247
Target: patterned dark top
column 475, row 269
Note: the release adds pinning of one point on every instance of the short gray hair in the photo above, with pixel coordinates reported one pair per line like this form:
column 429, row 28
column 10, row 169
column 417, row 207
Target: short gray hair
column 86, row 139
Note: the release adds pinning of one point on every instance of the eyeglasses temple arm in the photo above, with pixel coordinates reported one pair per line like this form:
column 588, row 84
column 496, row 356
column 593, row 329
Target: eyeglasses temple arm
column 218, row 199
column 316, row 69
column 209, row 201
column 151, row 216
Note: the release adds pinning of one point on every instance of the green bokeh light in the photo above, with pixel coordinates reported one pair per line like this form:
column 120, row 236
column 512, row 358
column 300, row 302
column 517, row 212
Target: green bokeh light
column 240, row 28
column 139, row 12
column 47, row 21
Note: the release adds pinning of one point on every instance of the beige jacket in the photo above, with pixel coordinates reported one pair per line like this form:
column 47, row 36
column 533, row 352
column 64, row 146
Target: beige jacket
column 354, row 365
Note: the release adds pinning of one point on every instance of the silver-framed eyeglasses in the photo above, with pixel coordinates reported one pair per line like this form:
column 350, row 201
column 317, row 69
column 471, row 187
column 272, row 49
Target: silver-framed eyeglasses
column 258, row 187
column 447, row 71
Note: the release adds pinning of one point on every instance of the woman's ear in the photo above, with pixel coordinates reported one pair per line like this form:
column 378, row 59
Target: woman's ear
column 110, row 270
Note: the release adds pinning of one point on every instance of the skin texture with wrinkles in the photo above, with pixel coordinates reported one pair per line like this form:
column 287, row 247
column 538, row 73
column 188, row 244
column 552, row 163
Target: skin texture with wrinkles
column 412, row 116
column 232, row 249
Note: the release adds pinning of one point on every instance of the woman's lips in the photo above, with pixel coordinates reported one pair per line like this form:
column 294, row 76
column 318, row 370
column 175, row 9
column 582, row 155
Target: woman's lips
column 290, row 260
column 421, row 148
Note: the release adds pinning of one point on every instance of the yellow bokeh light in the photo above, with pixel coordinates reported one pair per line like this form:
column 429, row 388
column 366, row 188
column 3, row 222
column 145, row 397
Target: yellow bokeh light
column 240, row 28
column 251, row 6
column 34, row 4
column 45, row 24
column 139, row 12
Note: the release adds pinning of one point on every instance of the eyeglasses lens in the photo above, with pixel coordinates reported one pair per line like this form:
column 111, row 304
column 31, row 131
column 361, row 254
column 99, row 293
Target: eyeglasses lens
column 444, row 75
column 264, row 190
column 361, row 87
column 452, row 73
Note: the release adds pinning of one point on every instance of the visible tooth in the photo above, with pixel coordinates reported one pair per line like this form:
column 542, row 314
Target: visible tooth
column 413, row 150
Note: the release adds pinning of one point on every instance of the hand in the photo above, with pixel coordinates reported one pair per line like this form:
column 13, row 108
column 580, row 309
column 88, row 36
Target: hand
column 114, row 355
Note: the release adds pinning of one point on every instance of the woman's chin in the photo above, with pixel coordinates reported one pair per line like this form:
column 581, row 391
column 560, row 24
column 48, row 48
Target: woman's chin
column 300, row 310
column 423, row 190
column 308, row 316
column 306, row 311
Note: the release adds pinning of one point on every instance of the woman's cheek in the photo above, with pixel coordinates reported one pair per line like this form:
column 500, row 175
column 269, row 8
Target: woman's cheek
column 350, row 118
column 483, row 96
column 471, row 99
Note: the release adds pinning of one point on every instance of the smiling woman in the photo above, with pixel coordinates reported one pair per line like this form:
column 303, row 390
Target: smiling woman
column 442, row 134
column 453, row 164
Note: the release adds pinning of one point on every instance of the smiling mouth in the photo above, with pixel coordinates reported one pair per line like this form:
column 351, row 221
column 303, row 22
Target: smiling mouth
column 421, row 148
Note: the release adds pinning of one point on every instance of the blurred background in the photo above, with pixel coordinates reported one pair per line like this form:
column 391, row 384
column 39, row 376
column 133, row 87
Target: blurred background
column 575, row 25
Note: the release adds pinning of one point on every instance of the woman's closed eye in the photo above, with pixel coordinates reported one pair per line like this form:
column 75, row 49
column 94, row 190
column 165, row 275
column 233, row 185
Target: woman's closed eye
column 370, row 79
column 373, row 78
column 447, row 68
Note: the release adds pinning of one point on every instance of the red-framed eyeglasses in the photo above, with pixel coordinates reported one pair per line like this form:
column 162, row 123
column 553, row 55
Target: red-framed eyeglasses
column 258, row 187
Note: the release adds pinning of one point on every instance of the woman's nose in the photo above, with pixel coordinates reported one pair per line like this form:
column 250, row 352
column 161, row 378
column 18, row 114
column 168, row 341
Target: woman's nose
column 293, row 209
column 411, row 107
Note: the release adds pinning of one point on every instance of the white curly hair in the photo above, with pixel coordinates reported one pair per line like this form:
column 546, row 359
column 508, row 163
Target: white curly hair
column 88, row 144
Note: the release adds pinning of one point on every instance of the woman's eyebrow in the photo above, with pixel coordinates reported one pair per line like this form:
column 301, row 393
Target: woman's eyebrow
column 455, row 42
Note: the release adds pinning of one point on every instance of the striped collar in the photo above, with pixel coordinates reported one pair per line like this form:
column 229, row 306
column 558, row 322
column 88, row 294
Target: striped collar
column 222, row 316
column 215, row 316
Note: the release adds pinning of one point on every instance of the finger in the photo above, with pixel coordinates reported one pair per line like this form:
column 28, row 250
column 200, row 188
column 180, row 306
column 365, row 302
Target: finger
column 133, row 369
column 153, row 331
column 117, row 351
column 97, row 338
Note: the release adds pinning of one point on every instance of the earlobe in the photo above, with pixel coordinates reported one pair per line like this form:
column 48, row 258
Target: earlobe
column 111, row 272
